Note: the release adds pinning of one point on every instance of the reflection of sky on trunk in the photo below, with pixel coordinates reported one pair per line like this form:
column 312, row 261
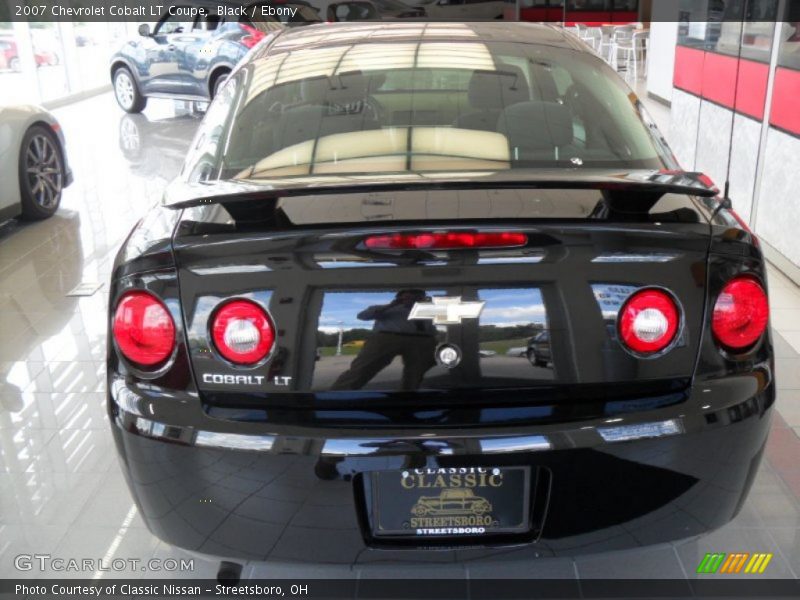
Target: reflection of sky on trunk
column 508, row 307
column 504, row 307
column 339, row 309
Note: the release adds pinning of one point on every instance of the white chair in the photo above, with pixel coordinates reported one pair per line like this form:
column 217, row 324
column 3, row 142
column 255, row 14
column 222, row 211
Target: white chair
column 606, row 45
column 583, row 32
column 622, row 46
column 594, row 37
column 641, row 44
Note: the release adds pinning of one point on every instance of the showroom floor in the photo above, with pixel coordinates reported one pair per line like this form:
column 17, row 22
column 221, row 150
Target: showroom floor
column 61, row 490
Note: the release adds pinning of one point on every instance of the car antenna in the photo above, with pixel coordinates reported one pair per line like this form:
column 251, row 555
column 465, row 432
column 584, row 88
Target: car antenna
column 726, row 201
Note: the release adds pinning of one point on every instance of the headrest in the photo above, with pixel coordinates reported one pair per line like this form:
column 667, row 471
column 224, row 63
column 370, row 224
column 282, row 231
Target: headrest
column 544, row 84
column 535, row 126
column 348, row 87
column 376, row 81
column 497, row 89
column 314, row 90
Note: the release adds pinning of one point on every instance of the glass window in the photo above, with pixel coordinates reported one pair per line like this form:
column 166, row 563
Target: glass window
column 174, row 24
column 41, row 62
column 722, row 26
column 588, row 5
column 789, row 53
column 520, row 107
column 352, row 11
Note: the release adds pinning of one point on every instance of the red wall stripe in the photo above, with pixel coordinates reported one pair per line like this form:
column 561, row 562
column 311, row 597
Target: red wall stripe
column 713, row 76
column 590, row 17
column 533, row 14
column 625, row 16
column 786, row 100
column 751, row 97
column 719, row 78
column 688, row 74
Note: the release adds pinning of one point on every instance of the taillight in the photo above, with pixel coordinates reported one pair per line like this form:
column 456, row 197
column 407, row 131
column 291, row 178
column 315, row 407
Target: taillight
column 648, row 321
column 445, row 240
column 253, row 35
column 143, row 329
column 741, row 313
column 242, row 332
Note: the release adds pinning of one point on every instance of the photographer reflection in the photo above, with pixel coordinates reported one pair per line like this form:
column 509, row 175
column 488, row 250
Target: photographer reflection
column 393, row 335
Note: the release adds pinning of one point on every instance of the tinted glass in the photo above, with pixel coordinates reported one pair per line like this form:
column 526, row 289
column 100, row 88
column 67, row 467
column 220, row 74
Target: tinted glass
column 422, row 106
column 790, row 38
column 734, row 27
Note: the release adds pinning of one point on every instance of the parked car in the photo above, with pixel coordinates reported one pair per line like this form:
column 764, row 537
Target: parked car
column 297, row 327
column 9, row 58
column 336, row 11
column 538, row 351
column 44, row 57
column 187, row 60
column 10, row 54
column 33, row 163
column 464, row 10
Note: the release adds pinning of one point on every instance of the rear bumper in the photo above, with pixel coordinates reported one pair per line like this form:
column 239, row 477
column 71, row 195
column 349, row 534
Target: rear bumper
column 250, row 492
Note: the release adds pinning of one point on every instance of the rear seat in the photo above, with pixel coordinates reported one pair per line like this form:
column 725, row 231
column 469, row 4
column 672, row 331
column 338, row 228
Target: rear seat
column 538, row 131
column 489, row 93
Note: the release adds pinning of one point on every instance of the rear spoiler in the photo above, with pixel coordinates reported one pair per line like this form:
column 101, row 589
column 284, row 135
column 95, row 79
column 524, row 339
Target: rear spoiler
column 636, row 190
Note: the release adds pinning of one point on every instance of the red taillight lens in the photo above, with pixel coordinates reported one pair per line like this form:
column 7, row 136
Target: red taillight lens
column 243, row 332
column 741, row 313
column 253, row 35
column 445, row 240
column 143, row 329
column 648, row 321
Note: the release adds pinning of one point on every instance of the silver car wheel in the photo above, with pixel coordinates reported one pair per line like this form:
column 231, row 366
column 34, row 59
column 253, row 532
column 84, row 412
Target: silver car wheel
column 123, row 89
column 44, row 171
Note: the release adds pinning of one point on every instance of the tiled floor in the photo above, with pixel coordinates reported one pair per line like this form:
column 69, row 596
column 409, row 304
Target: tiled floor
column 61, row 491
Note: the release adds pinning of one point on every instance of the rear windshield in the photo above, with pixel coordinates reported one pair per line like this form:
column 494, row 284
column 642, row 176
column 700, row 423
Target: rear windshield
column 419, row 107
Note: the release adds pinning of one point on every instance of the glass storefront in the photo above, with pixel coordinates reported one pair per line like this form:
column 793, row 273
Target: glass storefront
column 789, row 55
column 717, row 26
column 43, row 62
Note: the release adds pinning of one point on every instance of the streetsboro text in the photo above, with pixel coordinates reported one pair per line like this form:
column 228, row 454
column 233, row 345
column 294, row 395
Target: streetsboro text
column 158, row 10
column 167, row 589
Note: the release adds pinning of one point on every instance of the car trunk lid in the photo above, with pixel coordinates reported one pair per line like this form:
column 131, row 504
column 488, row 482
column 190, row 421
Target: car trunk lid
column 356, row 320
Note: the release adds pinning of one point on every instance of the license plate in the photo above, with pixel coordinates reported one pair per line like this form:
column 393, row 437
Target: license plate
column 451, row 501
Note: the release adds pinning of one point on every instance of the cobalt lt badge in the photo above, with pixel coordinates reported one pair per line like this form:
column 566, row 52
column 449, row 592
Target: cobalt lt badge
column 448, row 355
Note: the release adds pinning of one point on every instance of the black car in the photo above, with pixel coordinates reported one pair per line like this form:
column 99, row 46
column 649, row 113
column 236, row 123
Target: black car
column 308, row 338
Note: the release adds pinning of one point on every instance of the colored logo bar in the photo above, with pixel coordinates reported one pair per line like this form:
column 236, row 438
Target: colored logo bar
column 737, row 562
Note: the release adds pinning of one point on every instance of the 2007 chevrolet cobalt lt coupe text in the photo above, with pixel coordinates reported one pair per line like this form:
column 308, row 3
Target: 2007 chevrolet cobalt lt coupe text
column 317, row 340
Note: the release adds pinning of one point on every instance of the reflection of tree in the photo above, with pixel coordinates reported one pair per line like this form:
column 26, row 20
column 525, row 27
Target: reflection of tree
column 350, row 335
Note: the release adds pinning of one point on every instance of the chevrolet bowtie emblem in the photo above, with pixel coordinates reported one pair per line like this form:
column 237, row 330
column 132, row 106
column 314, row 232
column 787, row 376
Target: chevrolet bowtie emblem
column 443, row 310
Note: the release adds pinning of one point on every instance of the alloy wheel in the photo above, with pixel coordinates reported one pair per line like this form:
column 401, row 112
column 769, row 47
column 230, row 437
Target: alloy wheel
column 123, row 88
column 43, row 170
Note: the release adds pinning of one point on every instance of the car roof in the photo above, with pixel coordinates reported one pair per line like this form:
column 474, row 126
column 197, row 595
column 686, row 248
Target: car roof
column 365, row 32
